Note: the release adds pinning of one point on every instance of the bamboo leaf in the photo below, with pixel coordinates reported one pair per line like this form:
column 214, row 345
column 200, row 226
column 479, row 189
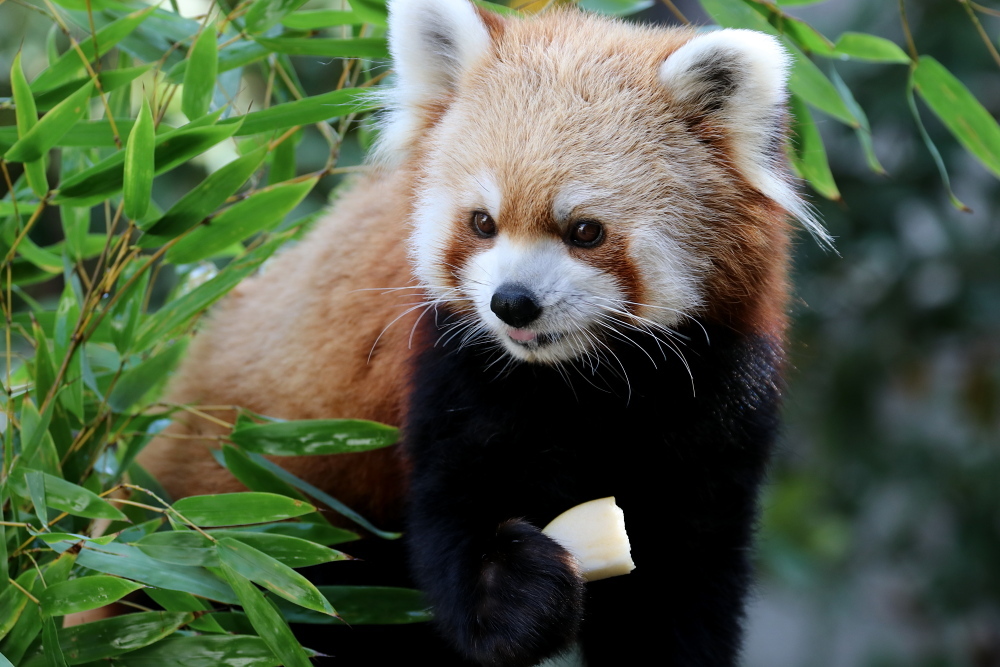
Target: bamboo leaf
column 138, row 380
column 861, row 46
column 231, row 509
column 321, row 18
column 27, row 116
column 180, row 312
column 114, row 636
column 206, row 197
column 106, row 178
column 371, row 48
column 267, row 621
column 93, row 47
column 272, row 574
column 138, row 172
column 363, row 605
column 314, row 436
column 259, row 212
column 323, row 497
column 199, row 77
column 110, row 80
column 85, row 593
column 931, row 148
column 50, row 644
column 204, row 651
column 68, row 497
column 127, row 561
column 967, row 119
column 315, row 109
column 809, row 152
column 265, row 14
column 37, row 141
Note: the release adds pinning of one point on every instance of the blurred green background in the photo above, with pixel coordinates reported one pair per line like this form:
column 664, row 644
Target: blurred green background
column 880, row 541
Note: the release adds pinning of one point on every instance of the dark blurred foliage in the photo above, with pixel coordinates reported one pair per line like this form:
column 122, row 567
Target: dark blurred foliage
column 880, row 540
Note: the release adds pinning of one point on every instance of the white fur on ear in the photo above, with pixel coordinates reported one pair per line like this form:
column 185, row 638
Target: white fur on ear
column 738, row 78
column 432, row 43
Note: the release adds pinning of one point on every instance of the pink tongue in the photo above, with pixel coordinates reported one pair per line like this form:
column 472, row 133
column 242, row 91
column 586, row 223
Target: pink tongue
column 522, row 335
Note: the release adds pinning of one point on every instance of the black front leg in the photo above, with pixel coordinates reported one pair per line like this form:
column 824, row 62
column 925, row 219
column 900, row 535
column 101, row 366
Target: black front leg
column 504, row 594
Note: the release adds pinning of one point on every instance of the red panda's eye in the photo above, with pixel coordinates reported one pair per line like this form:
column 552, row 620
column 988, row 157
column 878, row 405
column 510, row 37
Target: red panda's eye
column 483, row 224
column 587, row 233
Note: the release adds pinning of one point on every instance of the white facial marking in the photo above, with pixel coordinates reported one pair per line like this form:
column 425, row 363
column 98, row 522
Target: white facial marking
column 574, row 196
column 489, row 193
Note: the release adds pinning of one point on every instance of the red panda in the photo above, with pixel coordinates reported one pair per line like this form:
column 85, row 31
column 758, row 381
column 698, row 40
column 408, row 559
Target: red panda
column 592, row 220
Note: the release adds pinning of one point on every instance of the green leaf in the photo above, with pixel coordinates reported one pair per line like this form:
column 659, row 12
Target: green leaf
column 127, row 561
column 37, row 141
column 861, row 46
column 13, row 601
column 70, row 63
column 863, row 131
column 315, row 109
column 138, row 174
column 290, row 551
column 371, row 48
column 615, row 7
column 50, row 644
column 4, row 662
column 75, row 225
column 136, row 382
column 187, row 547
column 265, row 14
column 199, row 77
column 239, row 54
column 76, row 500
column 211, row 193
column 121, row 634
column 85, row 593
column 110, row 80
column 323, row 497
column 232, row 509
column 36, row 490
column 267, row 621
column 363, row 605
column 283, row 160
column 803, row 34
column 321, row 18
column 320, row 533
column 315, row 436
column 180, row 547
column 173, row 148
column 272, row 574
column 45, row 370
column 180, row 312
column 178, row 601
column 261, row 211
column 967, row 119
column 809, row 153
column 27, row 116
column 252, row 475
column 204, row 651
column 931, row 148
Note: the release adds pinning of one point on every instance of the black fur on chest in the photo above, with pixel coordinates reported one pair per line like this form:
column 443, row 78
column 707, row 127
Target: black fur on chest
column 681, row 444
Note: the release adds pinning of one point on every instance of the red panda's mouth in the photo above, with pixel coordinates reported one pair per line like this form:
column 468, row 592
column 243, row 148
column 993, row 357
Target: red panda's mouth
column 532, row 338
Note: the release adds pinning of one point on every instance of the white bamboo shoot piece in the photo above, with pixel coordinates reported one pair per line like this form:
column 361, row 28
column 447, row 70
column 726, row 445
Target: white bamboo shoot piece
column 594, row 533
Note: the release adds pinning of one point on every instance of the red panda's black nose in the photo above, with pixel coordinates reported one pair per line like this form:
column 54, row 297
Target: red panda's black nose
column 515, row 305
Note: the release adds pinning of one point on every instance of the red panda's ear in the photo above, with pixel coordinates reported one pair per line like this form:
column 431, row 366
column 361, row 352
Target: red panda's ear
column 732, row 82
column 432, row 44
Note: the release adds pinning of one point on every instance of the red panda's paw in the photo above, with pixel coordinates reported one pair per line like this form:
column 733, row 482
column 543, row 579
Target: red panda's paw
column 528, row 601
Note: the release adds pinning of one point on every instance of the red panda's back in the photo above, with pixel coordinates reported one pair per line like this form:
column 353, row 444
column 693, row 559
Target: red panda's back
column 296, row 342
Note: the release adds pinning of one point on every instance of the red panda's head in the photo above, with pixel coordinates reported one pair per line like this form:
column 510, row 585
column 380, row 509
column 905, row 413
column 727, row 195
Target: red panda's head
column 579, row 179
